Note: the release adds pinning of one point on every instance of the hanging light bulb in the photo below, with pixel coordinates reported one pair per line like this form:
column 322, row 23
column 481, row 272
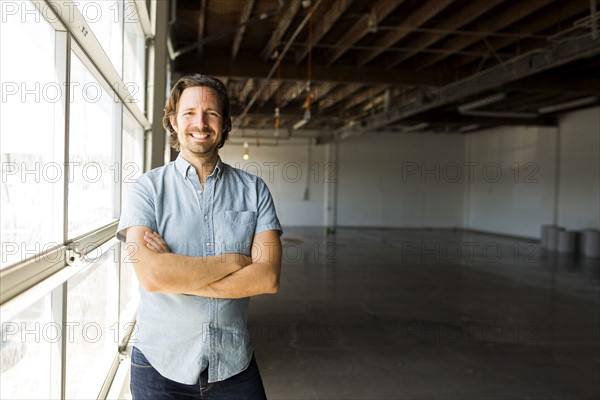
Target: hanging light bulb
column 246, row 156
column 277, row 121
column 307, row 114
column 307, row 103
column 306, row 106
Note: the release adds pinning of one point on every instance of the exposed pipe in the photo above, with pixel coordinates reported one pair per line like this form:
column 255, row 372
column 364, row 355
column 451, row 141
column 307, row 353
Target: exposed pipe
column 239, row 119
column 403, row 49
column 594, row 19
column 464, row 33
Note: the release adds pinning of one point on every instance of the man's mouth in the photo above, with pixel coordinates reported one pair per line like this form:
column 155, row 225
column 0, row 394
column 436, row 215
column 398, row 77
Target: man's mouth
column 198, row 135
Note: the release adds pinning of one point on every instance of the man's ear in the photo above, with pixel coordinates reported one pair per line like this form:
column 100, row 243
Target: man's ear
column 226, row 126
column 173, row 121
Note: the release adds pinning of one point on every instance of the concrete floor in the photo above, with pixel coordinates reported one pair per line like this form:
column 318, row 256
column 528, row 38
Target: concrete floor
column 423, row 314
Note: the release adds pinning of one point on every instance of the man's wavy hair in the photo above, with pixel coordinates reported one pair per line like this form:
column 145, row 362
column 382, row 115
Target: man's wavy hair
column 193, row 80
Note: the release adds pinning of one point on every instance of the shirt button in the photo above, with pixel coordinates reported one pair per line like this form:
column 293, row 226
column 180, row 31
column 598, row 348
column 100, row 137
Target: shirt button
column 206, row 217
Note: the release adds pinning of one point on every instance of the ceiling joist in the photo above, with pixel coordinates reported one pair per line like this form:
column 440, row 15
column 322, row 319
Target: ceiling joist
column 290, row 12
column 239, row 34
column 466, row 15
column 421, row 15
column 506, row 17
column 367, row 23
column 251, row 68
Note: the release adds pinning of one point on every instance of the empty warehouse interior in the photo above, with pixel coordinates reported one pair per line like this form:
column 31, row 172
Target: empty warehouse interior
column 434, row 165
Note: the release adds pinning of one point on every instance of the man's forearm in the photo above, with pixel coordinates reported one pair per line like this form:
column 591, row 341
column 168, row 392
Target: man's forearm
column 252, row 280
column 174, row 273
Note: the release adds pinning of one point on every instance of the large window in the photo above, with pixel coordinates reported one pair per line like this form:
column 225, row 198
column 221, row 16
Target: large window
column 134, row 51
column 92, row 309
column 92, row 160
column 31, row 142
column 71, row 142
column 105, row 18
column 27, row 341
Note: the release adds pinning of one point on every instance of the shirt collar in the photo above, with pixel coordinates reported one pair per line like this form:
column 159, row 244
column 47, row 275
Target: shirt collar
column 186, row 169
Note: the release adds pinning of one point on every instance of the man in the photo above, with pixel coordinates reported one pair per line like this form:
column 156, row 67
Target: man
column 223, row 247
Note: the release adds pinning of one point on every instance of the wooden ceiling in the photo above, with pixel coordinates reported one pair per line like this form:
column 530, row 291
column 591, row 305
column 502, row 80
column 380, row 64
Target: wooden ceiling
column 451, row 66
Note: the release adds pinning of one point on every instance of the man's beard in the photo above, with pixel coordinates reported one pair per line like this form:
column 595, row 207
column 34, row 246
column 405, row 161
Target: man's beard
column 208, row 148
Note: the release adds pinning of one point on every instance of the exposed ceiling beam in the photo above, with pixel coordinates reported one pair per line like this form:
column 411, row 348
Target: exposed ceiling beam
column 325, row 23
column 247, row 90
column 417, row 18
column 201, row 25
column 528, row 64
column 365, row 95
column 289, row 93
column 322, row 90
column 544, row 20
column 239, row 34
column 250, row 133
column 462, row 17
column 268, row 90
column 449, row 118
column 555, row 85
column 250, row 68
column 569, row 105
column 339, row 95
column 284, row 24
column 367, row 23
column 454, row 119
column 504, row 18
column 519, row 101
column 292, row 93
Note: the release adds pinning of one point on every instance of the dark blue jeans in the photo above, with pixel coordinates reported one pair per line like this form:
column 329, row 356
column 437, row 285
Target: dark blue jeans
column 148, row 384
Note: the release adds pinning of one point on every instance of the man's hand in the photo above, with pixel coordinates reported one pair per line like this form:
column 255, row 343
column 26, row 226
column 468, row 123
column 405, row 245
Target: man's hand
column 155, row 242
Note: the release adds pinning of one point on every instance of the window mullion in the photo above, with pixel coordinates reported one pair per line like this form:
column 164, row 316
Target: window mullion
column 66, row 69
column 58, row 354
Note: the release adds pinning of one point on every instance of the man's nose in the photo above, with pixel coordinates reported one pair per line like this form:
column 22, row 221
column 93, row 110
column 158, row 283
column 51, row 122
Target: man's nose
column 200, row 120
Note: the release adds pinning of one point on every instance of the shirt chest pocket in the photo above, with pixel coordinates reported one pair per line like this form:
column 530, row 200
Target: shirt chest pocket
column 234, row 231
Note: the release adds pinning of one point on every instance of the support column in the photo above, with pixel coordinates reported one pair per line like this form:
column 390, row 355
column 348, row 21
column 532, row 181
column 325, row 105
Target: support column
column 331, row 180
column 157, row 83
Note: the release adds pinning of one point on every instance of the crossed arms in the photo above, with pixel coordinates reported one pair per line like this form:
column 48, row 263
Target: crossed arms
column 222, row 276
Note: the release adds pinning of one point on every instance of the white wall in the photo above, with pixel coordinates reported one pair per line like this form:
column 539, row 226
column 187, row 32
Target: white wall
column 288, row 173
column 579, row 161
column 401, row 180
column 513, row 188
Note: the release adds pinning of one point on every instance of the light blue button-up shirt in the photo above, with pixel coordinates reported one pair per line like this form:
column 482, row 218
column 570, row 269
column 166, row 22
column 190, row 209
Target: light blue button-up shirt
column 181, row 334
